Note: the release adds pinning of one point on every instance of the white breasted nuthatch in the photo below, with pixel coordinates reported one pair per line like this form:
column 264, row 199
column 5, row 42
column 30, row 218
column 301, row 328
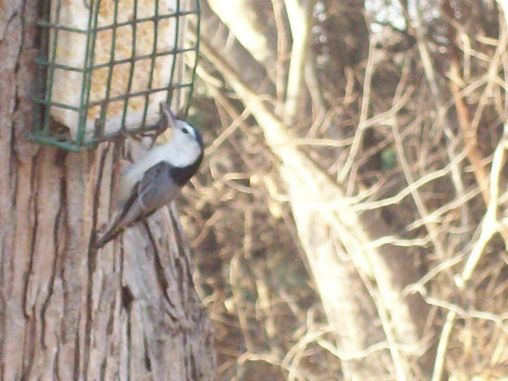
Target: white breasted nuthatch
column 157, row 178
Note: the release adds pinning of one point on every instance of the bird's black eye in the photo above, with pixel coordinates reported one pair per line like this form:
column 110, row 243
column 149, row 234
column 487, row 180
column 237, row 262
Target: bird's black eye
column 185, row 130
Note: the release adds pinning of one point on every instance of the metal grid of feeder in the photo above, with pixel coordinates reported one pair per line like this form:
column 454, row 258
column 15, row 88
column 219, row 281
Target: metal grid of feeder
column 106, row 65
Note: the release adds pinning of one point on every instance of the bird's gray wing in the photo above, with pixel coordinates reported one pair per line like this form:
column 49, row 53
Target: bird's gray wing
column 156, row 189
column 153, row 191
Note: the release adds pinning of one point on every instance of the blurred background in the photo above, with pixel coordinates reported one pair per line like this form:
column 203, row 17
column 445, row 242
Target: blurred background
column 349, row 221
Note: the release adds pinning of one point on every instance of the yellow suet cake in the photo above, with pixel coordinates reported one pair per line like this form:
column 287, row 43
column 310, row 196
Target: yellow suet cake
column 71, row 51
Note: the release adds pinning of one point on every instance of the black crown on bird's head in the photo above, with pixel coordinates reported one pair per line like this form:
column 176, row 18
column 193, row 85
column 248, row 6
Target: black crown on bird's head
column 170, row 120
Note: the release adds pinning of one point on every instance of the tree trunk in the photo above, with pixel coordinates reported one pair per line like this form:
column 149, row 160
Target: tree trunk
column 129, row 311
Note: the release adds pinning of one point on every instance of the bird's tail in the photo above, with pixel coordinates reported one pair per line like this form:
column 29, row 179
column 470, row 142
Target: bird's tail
column 113, row 231
column 127, row 215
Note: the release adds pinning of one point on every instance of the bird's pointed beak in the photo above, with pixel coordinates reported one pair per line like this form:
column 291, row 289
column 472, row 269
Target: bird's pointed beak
column 168, row 114
column 168, row 121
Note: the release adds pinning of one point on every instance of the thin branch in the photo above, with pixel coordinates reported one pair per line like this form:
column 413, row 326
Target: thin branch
column 300, row 20
column 490, row 226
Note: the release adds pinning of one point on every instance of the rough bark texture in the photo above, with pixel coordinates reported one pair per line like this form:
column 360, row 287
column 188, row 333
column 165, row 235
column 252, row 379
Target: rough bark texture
column 129, row 311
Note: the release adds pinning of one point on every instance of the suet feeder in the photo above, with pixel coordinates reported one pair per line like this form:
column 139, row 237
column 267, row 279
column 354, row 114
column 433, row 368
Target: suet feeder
column 106, row 65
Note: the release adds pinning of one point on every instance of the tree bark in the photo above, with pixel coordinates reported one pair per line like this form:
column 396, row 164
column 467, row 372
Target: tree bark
column 129, row 311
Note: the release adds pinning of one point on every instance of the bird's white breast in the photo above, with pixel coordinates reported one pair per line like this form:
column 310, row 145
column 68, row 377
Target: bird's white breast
column 176, row 153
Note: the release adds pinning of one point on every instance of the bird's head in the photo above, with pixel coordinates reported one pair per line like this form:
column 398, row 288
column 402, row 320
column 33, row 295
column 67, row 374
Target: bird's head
column 181, row 136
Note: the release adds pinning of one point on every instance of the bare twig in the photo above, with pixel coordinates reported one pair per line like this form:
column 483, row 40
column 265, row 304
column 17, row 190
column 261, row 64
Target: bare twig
column 490, row 226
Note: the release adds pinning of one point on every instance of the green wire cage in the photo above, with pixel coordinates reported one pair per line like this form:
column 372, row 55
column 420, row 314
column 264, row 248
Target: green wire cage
column 106, row 65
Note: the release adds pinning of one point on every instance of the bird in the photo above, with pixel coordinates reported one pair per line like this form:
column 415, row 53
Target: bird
column 158, row 177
